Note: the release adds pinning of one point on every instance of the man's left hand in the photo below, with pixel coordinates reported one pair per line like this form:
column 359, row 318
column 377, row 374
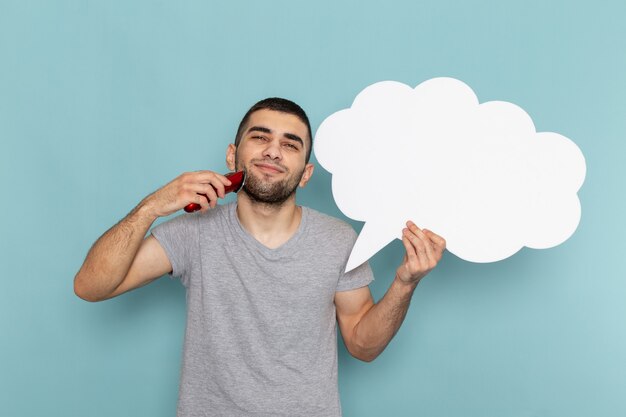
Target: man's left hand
column 423, row 251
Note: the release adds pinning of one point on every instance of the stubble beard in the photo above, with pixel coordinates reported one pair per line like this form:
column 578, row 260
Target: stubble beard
column 270, row 193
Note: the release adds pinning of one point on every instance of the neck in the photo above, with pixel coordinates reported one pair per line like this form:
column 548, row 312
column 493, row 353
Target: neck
column 270, row 224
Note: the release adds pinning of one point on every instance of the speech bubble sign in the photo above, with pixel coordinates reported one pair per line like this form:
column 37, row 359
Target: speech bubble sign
column 478, row 174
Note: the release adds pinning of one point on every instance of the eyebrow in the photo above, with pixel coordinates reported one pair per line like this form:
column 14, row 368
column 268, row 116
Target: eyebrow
column 289, row 136
column 259, row 129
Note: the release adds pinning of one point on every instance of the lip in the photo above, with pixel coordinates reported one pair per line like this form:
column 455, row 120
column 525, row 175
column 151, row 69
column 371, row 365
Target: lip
column 270, row 168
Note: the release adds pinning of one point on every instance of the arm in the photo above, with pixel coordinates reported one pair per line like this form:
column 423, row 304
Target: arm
column 367, row 328
column 121, row 259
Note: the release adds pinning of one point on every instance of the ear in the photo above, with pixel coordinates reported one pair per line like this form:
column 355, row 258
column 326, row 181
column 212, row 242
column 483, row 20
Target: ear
column 306, row 176
column 231, row 151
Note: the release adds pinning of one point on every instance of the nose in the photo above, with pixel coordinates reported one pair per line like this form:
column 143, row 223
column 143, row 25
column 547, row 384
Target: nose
column 272, row 150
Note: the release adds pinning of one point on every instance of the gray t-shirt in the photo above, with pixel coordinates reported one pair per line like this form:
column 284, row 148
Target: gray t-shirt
column 261, row 336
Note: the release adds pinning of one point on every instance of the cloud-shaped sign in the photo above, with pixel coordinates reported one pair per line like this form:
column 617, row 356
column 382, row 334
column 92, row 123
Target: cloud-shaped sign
column 478, row 174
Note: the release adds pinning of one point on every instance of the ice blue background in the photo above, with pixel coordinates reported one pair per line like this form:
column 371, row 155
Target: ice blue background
column 103, row 102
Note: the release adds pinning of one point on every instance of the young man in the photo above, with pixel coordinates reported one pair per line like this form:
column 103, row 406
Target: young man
column 264, row 277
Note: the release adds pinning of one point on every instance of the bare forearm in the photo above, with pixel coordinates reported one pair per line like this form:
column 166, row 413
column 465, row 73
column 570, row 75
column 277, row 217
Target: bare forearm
column 110, row 258
column 375, row 329
column 380, row 324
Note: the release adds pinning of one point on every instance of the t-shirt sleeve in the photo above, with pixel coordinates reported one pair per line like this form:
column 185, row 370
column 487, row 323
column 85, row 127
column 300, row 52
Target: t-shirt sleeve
column 179, row 239
column 358, row 277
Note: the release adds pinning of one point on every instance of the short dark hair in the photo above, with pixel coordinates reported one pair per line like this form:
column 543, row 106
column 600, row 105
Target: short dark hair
column 281, row 105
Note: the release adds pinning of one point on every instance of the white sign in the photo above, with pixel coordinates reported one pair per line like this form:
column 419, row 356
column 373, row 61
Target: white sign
column 478, row 174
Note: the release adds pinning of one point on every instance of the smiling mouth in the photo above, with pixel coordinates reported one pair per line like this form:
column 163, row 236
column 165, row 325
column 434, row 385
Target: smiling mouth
column 270, row 168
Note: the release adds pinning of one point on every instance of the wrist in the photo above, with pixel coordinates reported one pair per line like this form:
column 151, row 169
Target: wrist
column 144, row 212
column 405, row 286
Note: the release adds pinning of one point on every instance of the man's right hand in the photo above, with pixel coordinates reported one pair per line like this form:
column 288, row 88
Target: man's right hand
column 201, row 187
column 121, row 259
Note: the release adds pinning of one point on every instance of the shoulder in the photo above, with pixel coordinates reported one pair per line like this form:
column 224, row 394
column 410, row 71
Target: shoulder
column 221, row 211
column 190, row 221
column 324, row 224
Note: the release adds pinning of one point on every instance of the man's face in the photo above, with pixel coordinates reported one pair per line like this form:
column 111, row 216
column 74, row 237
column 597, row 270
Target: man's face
column 272, row 151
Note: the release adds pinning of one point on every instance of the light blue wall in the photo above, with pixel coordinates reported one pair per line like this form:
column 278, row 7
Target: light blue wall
column 103, row 102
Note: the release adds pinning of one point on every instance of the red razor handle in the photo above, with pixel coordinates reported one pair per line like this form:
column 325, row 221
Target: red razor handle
column 236, row 182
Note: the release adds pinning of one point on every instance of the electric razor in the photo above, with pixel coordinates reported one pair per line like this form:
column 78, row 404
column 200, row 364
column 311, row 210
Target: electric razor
column 236, row 182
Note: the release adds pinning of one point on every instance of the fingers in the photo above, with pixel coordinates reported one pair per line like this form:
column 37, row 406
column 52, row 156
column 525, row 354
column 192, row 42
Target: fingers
column 416, row 263
column 211, row 192
column 217, row 181
column 202, row 200
column 209, row 184
column 427, row 241
column 201, row 187
column 423, row 252
column 421, row 245
column 439, row 242
column 411, row 255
